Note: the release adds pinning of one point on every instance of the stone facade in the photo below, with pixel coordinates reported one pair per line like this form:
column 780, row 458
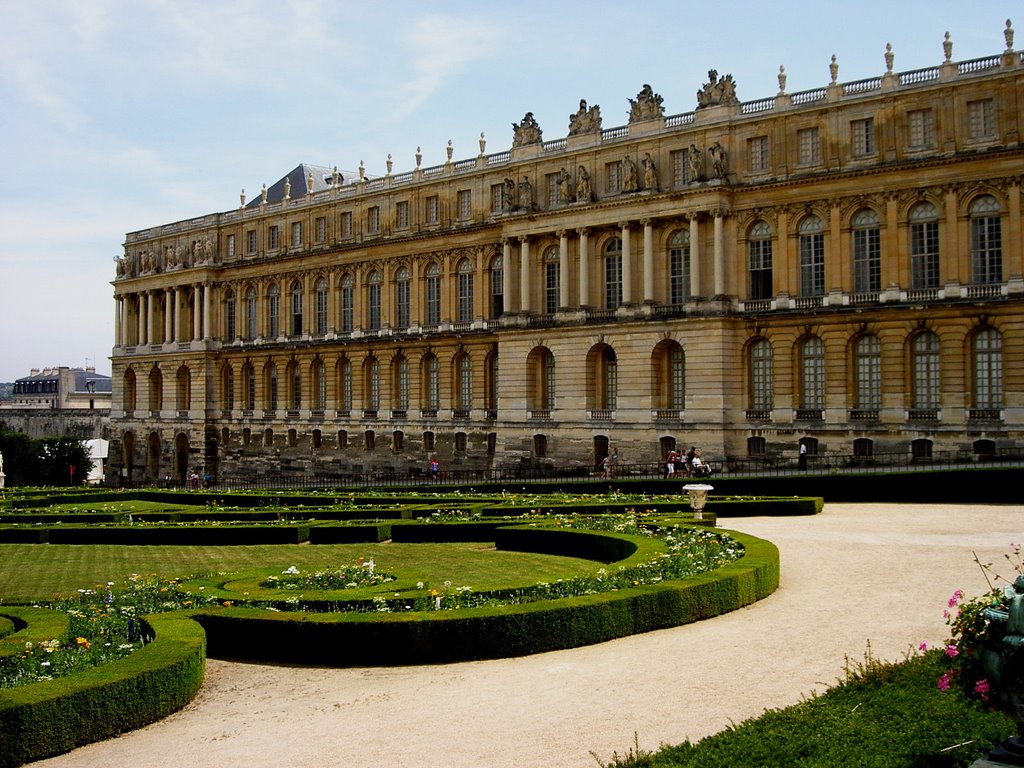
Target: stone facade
column 842, row 266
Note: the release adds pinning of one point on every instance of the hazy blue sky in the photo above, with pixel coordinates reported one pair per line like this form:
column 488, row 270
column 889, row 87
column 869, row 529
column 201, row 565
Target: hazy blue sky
column 119, row 115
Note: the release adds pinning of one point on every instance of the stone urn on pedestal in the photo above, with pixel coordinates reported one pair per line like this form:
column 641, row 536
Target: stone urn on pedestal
column 698, row 493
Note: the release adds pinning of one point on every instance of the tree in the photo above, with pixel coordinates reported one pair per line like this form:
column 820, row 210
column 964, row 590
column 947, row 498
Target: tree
column 47, row 461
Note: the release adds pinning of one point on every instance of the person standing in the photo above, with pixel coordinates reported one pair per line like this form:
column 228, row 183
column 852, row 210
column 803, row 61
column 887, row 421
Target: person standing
column 803, row 457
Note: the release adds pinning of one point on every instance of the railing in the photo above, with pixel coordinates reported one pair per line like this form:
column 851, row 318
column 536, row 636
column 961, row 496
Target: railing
column 862, row 86
column 620, row 132
column 807, row 97
column 919, row 76
column 556, row 145
column 923, row 414
column 461, row 414
column 864, row 297
column 539, row 414
column 757, row 305
column 758, row 414
column 808, row 302
column 978, row 65
column 985, row 414
column 675, row 121
column 808, row 414
column 600, row 414
column 399, row 414
column 667, row 414
column 760, row 105
column 864, row 414
column 984, row 291
column 923, row 294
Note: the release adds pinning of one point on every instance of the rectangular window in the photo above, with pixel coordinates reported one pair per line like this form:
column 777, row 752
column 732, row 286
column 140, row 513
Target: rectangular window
column 924, row 255
column 757, row 154
column 346, row 225
column 554, row 194
column 679, row 159
column 274, row 239
column 373, row 220
column 613, row 178
column 464, row 200
column 231, row 245
column 812, row 265
column 321, row 230
column 808, row 147
column 867, row 261
column 250, row 242
column 402, row 215
column 432, row 214
column 374, row 306
column 921, row 128
column 273, row 314
column 433, row 300
column 862, row 136
column 497, row 198
column 551, row 287
column 981, row 119
column 296, row 234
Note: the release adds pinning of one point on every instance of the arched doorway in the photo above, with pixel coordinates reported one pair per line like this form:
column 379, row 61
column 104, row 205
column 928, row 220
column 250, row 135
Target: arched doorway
column 152, row 457
column 181, row 457
column 128, row 457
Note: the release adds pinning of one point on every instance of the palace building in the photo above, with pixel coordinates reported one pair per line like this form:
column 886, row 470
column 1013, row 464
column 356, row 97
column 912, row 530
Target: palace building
column 841, row 268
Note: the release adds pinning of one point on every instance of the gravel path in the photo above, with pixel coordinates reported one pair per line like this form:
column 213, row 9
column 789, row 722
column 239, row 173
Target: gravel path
column 855, row 575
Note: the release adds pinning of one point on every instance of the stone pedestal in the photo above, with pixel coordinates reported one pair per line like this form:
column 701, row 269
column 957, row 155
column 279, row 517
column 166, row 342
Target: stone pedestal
column 2, row 479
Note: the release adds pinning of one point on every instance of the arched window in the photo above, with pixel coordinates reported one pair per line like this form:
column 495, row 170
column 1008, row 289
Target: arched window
column 668, row 383
column 924, row 246
column 812, row 376
column 868, row 365
column 156, row 389
column 184, row 389
column 428, row 441
column 250, row 313
column 867, row 252
column 986, row 241
column 400, row 384
column 397, row 440
column 613, row 273
column 756, row 446
column 294, row 386
column 988, row 370
column 130, row 392
column 603, row 381
column 812, row 256
column 248, row 387
column 373, row 288
column 227, row 394
column 464, row 383
column 319, row 382
column 296, row 308
column 229, row 315
column 371, row 382
column 759, row 251
column 465, row 284
column 460, row 442
column 761, row 388
column 431, row 384
column 320, row 288
column 541, row 385
column 268, row 437
column 345, row 385
column 402, row 298
column 679, row 267
column 432, row 287
column 491, row 373
column 342, row 439
column 540, row 446
column 273, row 311
column 921, row 449
column 270, row 394
column 924, row 363
column 863, row 448
column 497, row 287
column 551, row 280
column 347, row 303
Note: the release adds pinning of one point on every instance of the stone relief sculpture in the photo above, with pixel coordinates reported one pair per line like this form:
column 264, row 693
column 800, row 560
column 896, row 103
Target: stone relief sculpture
column 650, row 173
column 646, row 105
column 583, row 192
column 208, row 250
column 263, row 195
column 719, row 161
column 717, row 91
column 630, row 175
column 526, row 132
column 526, row 194
column 508, row 195
column 585, row 120
column 121, row 266
column 695, row 163
column 170, row 259
column 565, row 191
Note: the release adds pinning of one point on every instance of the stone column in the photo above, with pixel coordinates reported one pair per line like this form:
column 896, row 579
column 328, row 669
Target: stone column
column 179, row 308
column 506, row 276
column 524, row 274
column 627, row 265
column 118, row 309
column 150, row 317
column 648, row 295
column 695, row 287
column 719, row 257
column 141, row 319
column 207, row 319
column 168, row 315
column 584, row 266
column 563, row 269
column 197, row 315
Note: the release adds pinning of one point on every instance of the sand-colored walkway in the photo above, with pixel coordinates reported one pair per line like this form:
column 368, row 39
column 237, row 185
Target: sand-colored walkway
column 854, row 574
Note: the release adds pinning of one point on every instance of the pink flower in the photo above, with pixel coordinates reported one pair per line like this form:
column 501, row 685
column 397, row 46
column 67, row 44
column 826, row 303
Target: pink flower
column 955, row 597
column 923, row 647
column 944, row 682
column 981, row 688
column 952, row 651
column 945, row 614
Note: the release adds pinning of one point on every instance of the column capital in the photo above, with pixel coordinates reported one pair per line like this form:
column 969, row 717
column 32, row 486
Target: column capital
column 624, row 225
column 562, row 233
column 583, row 231
column 647, row 222
column 524, row 238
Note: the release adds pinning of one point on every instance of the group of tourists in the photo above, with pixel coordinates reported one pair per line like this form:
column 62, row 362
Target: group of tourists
column 690, row 464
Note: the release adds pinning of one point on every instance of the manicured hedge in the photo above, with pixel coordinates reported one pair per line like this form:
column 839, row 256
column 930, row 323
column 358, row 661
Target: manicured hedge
column 468, row 634
column 6, row 627
column 31, row 625
column 421, row 533
column 235, row 535
column 52, row 717
column 349, row 534
column 589, row 545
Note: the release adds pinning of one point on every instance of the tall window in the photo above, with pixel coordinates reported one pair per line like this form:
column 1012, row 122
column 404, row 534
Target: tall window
column 759, row 247
column 274, row 238
column 757, row 154
column 347, row 303
column 271, row 394
column 541, row 387
column 921, row 124
column 250, row 313
column 862, row 136
column 346, row 225
column 925, row 364
column 808, row 147
column 250, row 242
column 433, row 294
column 986, row 241
column 296, row 234
column 296, row 308
column 321, row 230
column 231, row 246
column 679, row 267
column 321, row 306
column 497, row 287
column 551, row 281
column 345, row 384
column 669, row 384
column 229, row 315
column 610, row 379
column 273, row 311
column 761, row 375
column 402, row 214
column 402, row 298
column 679, row 165
column 464, row 202
column 924, row 246
column 812, row 374
column 373, row 300
column 373, row 220
column 400, row 386
column 319, row 385
column 868, row 361
column 373, row 384
column 465, row 287
column 497, row 198
column 432, row 376
column 812, row 257
column 464, row 397
column 491, row 383
column 249, row 383
column 228, row 396
column 613, row 273
column 432, row 210
column 981, row 119
column 296, row 385
column 548, row 373
column 867, row 252
column 988, row 369
column 613, row 177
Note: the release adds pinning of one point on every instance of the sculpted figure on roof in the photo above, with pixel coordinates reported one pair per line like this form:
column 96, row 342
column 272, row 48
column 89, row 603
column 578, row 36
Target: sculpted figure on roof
column 717, row 91
column 526, row 132
column 646, row 105
column 586, row 120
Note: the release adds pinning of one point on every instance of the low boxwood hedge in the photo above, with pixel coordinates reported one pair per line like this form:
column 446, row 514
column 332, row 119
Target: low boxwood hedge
column 52, row 717
column 207, row 535
column 31, row 625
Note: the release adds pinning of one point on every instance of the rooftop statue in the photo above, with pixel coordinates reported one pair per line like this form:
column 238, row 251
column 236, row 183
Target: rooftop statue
column 646, row 105
column 585, row 120
column 526, row 132
column 717, row 91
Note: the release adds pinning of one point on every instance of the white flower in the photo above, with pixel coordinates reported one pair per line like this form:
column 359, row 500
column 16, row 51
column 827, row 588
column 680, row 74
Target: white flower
column 292, row 570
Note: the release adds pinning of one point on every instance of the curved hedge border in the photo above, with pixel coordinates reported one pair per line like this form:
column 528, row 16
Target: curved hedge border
column 372, row 639
column 55, row 716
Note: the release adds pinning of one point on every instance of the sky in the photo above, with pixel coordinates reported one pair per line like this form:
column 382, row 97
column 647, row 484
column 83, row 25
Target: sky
column 119, row 115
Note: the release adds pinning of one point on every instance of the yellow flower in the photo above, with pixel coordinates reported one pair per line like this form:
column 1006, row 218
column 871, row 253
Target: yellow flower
column 83, row 643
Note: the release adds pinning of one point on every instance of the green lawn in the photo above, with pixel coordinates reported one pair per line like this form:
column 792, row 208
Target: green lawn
column 40, row 571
